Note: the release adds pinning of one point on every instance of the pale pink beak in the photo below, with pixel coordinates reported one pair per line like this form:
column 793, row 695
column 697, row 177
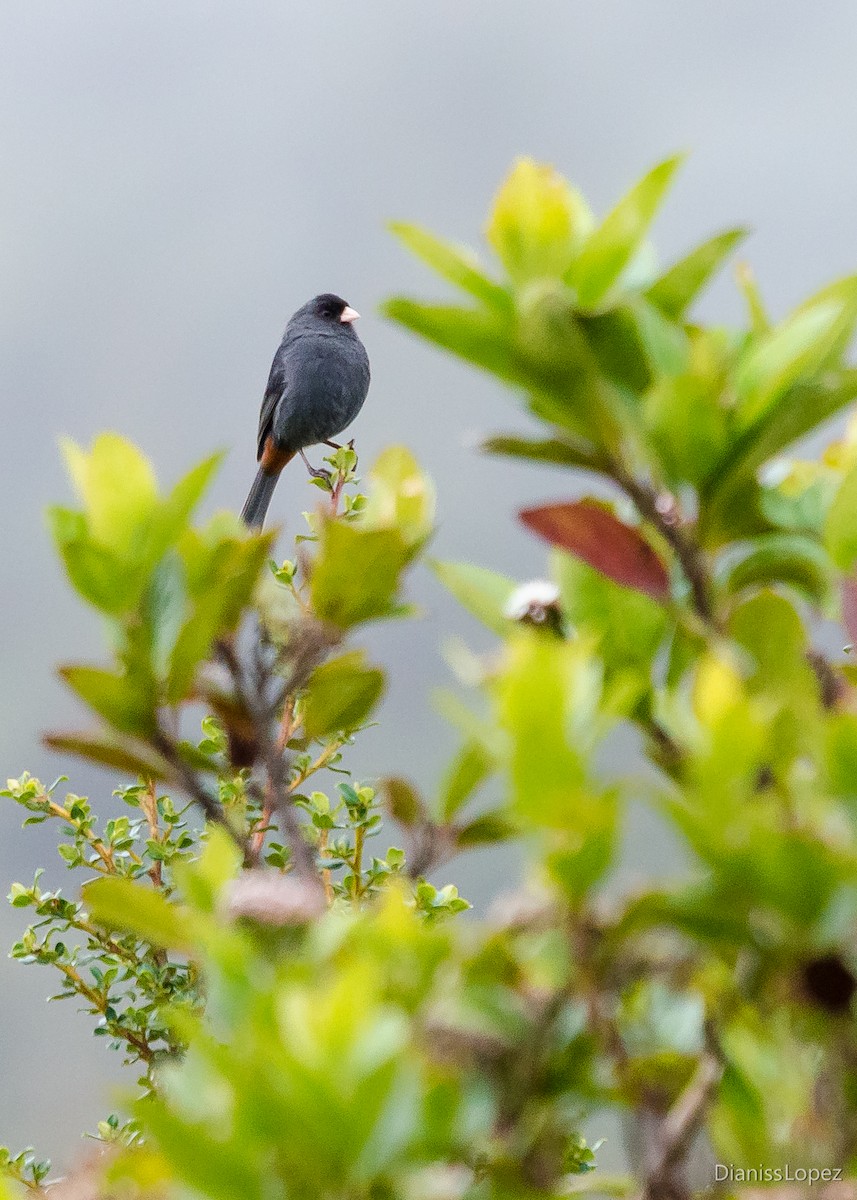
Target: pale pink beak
column 349, row 314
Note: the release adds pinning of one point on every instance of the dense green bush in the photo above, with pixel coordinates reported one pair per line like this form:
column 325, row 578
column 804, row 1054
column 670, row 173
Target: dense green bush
column 310, row 1020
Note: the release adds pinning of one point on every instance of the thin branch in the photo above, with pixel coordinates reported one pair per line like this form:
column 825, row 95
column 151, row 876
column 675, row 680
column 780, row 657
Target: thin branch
column 325, row 756
column 670, row 756
column 273, row 754
column 210, row 806
column 104, row 852
column 357, row 868
column 675, row 1133
column 302, row 856
column 650, row 506
column 326, row 877
column 100, row 1003
column 149, row 807
column 287, row 727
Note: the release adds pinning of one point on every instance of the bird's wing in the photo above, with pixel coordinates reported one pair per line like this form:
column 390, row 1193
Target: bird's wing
column 277, row 383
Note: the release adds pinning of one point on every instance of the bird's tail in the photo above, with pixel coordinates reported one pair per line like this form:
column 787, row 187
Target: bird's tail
column 256, row 505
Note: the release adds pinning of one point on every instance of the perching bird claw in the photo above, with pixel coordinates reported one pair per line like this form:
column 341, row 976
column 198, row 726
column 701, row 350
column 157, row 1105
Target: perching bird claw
column 316, row 472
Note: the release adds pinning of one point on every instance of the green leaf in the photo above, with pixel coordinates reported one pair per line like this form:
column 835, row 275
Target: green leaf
column 666, row 344
column 401, row 497
column 738, row 1119
column 688, row 426
column 110, row 583
column 617, row 345
column 760, row 322
column 117, row 485
column 165, row 606
column 612, row 245
column 486, row 830
column 547, row 770
column 799, row 502
column 470, row 768
column 801, row 409
column 356, row 575
column 478, row 337
column 634, row 343
column 107, row 753
column 769, row 628
column 840, row 530
column 697, row 909
column 678, row 287
column 549, row 707
column 537, row 222
column 785, row 558
column 203, row 1162
column 110, row 557
column 403, row 801
column 174, row 512
column 564, row 451
column 203, row 879
column 767, row 1087
column 629, row 626
column 796, row 350
column 221, row 573
column 455, row 263
column 6, row 1192
column 341, row 694
column 192, row 646
column 483, row 593
column 125, row 702
column 120, row 904
column 564, row 369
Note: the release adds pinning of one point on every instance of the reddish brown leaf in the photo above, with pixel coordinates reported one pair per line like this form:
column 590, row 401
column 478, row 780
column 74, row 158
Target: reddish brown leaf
column 590, row 531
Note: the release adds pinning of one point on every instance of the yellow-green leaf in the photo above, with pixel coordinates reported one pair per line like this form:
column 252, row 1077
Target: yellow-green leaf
column 401, row 496
column 537, row 222
column 840, row 532
column 117, row 485
column 795, row 351
column 122, row 700
column 548, row 774
column 456, row 263
column 467, row 771
column 482, row 592
column 611, row 246
column 356, row 575
column 121, row 904
column 678, row 287
column 341, row 694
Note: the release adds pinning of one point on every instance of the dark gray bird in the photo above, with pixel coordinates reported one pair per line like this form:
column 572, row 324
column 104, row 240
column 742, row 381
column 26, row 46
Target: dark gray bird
column 318, row 382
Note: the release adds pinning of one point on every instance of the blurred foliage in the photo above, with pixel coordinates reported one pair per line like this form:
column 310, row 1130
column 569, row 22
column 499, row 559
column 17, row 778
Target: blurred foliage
column 309, row 1018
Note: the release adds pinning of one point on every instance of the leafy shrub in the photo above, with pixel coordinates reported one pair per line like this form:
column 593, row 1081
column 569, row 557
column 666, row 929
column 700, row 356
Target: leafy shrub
column 310, row 1020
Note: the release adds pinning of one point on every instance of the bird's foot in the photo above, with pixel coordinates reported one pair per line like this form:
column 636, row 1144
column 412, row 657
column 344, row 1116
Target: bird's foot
column 317, row 472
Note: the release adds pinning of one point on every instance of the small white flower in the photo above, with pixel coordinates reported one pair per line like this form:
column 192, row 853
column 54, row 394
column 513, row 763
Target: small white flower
column 532, row 601
column 776, row 471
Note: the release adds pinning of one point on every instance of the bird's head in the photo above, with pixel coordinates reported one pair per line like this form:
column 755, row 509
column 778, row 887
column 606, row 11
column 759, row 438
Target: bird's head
column 330, row 308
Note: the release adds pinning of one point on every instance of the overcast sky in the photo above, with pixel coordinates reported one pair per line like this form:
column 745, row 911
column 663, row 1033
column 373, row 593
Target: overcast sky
column 178, row 178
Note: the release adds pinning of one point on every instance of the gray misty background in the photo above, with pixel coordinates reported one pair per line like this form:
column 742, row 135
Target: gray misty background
column 177, row 178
